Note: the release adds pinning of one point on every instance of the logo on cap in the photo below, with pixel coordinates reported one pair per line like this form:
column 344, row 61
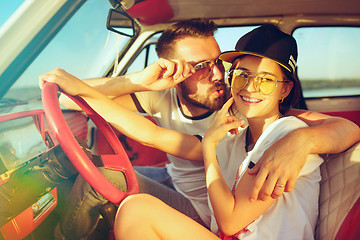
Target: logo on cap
column 292, row 63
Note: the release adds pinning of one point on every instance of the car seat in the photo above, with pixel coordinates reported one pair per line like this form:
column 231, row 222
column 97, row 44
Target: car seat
column 339, row 202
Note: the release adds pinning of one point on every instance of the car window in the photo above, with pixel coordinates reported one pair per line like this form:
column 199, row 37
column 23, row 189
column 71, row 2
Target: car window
column 83, row 47
column 227, row 37
column 328, row 60
column 152, row 54
column 146, row 57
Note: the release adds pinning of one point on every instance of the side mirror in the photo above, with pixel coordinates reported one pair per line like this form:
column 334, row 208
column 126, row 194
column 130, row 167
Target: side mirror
column 121, row 23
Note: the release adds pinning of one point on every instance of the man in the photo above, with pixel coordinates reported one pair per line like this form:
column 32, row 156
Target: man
column 190, row 107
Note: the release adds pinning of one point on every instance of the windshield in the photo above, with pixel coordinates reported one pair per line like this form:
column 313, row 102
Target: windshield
column 83, row 47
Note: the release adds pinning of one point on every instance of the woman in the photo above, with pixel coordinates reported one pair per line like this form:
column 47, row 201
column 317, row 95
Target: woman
column 264, row 85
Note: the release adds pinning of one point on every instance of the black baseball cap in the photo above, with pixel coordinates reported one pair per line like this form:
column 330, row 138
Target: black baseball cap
column 266, row 41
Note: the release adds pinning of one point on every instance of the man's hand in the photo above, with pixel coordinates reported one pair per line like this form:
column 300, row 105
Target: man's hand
column 279, row 165
column 67, row 82
column 163, row 74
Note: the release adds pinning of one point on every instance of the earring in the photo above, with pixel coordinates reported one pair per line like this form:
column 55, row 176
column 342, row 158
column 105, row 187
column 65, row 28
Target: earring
column 281, row 100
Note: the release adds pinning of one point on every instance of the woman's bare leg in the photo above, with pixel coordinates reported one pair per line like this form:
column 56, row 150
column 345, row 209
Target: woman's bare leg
column 143, row 216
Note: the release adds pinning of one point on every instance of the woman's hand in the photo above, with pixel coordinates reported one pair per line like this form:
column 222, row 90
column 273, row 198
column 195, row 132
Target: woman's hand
column 163, row 74
column 223, row 124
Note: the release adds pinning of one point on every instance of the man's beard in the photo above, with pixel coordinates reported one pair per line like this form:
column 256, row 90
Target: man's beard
column 205, row 102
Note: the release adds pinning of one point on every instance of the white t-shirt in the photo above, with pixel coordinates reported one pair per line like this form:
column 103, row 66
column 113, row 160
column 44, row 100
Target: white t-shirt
column 188, row 176
column 294, row 214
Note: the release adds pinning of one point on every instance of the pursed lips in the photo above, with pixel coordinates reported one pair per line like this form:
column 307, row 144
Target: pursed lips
column 219, row 90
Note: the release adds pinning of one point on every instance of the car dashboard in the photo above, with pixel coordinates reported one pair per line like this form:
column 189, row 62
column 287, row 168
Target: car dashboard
column 31, row 169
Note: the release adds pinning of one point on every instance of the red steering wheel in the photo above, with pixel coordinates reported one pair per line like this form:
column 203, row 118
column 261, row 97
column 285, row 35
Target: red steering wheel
column 117, row 161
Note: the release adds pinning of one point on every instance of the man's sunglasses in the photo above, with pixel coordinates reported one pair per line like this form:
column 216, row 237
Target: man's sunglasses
column 204, row 69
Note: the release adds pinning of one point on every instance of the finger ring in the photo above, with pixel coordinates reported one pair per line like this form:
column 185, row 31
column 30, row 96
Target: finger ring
column 280, row 185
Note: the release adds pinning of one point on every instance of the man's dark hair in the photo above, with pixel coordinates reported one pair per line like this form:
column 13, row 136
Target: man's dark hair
column 198, row 28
